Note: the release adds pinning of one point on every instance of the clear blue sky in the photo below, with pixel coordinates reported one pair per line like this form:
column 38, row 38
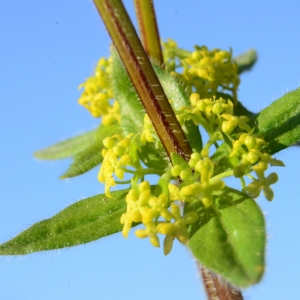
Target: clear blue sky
column 47, row 49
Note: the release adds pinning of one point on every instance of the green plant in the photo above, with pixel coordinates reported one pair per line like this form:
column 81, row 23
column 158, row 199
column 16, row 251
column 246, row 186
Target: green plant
column 237, row 138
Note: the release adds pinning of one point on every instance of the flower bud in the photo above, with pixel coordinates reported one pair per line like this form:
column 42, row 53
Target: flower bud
column 108, row 142
column 118, row 150
column 239, row 171
column 194, row 98
column 190, row 217
column 207, row 200
column 186, row 174
column 175, row 171
column 144, row 186
column 217, row 108
column 201, row 105
column 250, row 142
column 252, row 157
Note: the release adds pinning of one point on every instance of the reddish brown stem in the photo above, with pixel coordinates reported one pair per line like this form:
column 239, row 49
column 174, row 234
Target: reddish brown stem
column 217, row 288
column 143, row 77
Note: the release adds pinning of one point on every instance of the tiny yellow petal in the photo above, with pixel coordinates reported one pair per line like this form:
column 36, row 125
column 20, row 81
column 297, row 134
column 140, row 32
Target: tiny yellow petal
column 154, row 240
column 141, row 233
column 168, row 244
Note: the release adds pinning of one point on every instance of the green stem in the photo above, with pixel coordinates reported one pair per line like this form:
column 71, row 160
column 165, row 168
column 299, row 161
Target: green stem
column 243, row 183
column 144, row 172
column 148, row 28
column 222, row 175
column 153, row 171
column 251, row 177
column 123, row 182
column 130, row 171
column 178, row 52
column 143, row 77
column 208, row 128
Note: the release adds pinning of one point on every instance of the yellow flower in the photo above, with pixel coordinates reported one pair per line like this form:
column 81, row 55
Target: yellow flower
column 158, row 207
column 177, row 229
column 263, row 183
column 115, row 160
column 97, row 94
column 209, row 70
column 232, row 122
column 137, row 200
column 148, row 133
column 150, row 231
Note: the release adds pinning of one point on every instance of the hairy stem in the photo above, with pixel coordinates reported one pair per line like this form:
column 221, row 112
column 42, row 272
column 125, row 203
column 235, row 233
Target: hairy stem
column 143, row 77
column 217, row 288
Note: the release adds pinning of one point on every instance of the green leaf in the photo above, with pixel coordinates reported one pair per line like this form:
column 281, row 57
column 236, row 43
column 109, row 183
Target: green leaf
column 221, row 151
column 154, row 157
column 67, row 148
column 132, row 110
column 91, row 156
column 231, row 238
column 82, row 222
column 280, row 122
column 246, row 61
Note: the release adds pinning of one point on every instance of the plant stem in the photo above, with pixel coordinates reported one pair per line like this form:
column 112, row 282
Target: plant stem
column 217, row 288
column 222, row 175
column 143, row 77
column 148, row 29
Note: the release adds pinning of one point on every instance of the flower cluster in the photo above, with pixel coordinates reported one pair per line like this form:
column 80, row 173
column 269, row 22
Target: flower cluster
column 161, row 214
column 245, row 155
column 197, row 184
column 247, row 150
column 116, row 159
column 207, row 72
column 153, row 212
column 98, row 93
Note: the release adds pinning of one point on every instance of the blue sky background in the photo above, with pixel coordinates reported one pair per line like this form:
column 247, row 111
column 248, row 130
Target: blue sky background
column 47, row 49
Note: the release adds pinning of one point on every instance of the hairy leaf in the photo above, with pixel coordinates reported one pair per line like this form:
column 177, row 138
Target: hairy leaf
column 68, row 147
column 82, row 222
column 91, row 156
column 132, row 110
column 280, row 122
column 231, row 238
